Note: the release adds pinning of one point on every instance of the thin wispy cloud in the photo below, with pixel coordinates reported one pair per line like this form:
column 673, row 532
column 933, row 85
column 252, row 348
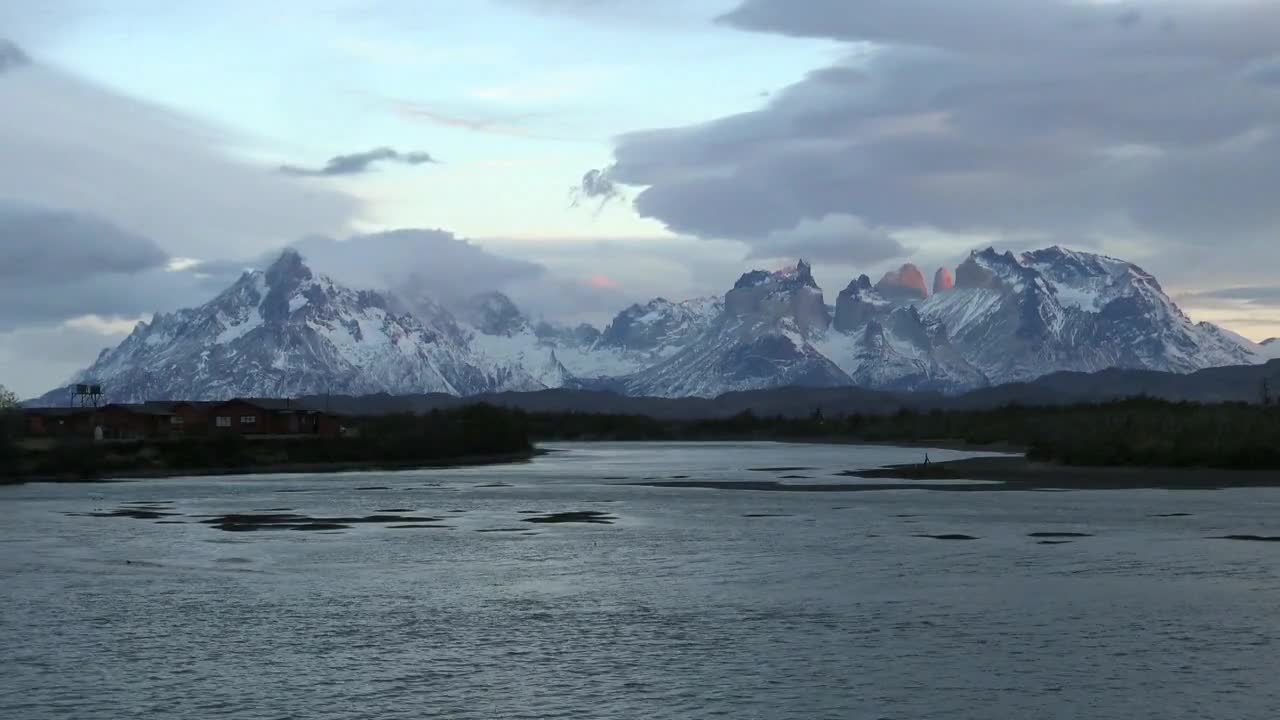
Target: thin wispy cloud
column 359, row 163
column 488, row 125
column 510, row 124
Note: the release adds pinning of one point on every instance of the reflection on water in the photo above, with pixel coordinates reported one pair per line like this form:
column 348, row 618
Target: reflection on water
column 559, row 589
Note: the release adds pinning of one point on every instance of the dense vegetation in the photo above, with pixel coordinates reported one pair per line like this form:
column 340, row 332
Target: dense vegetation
column 1138, row 432
column 468, row 433
column 10, row 425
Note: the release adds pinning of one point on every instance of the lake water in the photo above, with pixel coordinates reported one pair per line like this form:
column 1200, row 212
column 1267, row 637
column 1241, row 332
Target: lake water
column 694, row 603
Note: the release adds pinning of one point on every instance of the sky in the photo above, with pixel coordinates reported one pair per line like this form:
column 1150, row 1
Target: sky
column 585, row 154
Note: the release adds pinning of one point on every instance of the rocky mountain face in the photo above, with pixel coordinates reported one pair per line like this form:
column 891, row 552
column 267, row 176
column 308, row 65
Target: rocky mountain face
column 1019, row 317
column 943, row 281
column 999, row 318
column 904, row 285
column 285, row 332
column 882, row 341
column 761, row 339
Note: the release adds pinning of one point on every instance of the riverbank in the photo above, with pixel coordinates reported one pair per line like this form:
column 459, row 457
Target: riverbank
column 1139, row 432
column 1004, row 474
column 922, row 444
column 1023, row 473
column 319, row 468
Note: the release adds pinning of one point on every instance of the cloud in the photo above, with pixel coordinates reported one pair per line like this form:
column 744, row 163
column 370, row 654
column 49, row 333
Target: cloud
column 358, row 163
column 418, row 265
column 69, row 144
column 602, row 282
column 32, row 360
column 1266, row 295
column 642, row 268
column 39, row 245
column 841, row 239
column 596, row 185
column 55, row 300
column 12, row 56
column 663, row 15
column 1266, row 72
column 1003, row 118
column 507, row 125
column 56, row 265
column 430, row 262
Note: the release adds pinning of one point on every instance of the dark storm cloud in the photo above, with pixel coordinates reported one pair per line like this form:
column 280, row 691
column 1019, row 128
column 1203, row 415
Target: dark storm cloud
column 358, row 163
column 106, row 295
column 838, row 240
column 1002, row 117
column 38, row 245
column 57, row 265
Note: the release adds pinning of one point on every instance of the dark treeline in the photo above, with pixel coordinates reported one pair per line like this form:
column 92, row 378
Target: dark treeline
column 472, row 432
column 1136, row 432
column 10, row 434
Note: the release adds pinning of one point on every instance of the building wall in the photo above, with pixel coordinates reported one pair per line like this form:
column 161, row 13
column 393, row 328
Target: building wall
column 195, row 419
column 238, row 413
column 287, row 423
column 122, row 423
column 78, row 425
column 329, row 425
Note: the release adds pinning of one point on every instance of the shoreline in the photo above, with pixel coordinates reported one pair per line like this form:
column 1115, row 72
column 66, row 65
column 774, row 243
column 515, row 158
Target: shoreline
column 1009, row 474
column 938, row 444
column 1022, row 473
column 287, row 469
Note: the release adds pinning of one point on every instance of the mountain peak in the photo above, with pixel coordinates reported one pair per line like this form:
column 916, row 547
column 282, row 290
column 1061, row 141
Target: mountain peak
column 857, row 304
column 492, row 313
column 906, row 282
column 861, row 284
column 288, row 270
column 283, row 280
column 798, row 275
column 804, row 272
column 943, row 281
column 284, row 331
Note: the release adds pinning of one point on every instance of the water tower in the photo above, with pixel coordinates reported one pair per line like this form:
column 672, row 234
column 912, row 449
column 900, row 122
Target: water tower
column 87, row 396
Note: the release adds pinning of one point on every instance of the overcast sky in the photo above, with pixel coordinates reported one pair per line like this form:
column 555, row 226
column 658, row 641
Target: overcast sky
column 152, row 150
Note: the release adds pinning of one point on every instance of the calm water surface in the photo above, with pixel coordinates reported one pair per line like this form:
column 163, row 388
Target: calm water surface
column 693, row 604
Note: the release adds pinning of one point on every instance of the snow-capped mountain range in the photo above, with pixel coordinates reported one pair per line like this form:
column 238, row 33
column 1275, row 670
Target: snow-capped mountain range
column 999, row 318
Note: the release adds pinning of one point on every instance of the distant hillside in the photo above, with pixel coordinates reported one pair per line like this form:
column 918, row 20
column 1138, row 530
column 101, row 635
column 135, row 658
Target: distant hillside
column 1215, row 385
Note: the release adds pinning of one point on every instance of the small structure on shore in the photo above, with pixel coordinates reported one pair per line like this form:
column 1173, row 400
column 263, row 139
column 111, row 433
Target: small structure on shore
column 181, row 418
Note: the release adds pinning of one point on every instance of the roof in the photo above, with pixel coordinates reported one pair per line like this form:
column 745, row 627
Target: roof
column 279, row 405
column 57, row 411
column 170, row 404
column 158, row 409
